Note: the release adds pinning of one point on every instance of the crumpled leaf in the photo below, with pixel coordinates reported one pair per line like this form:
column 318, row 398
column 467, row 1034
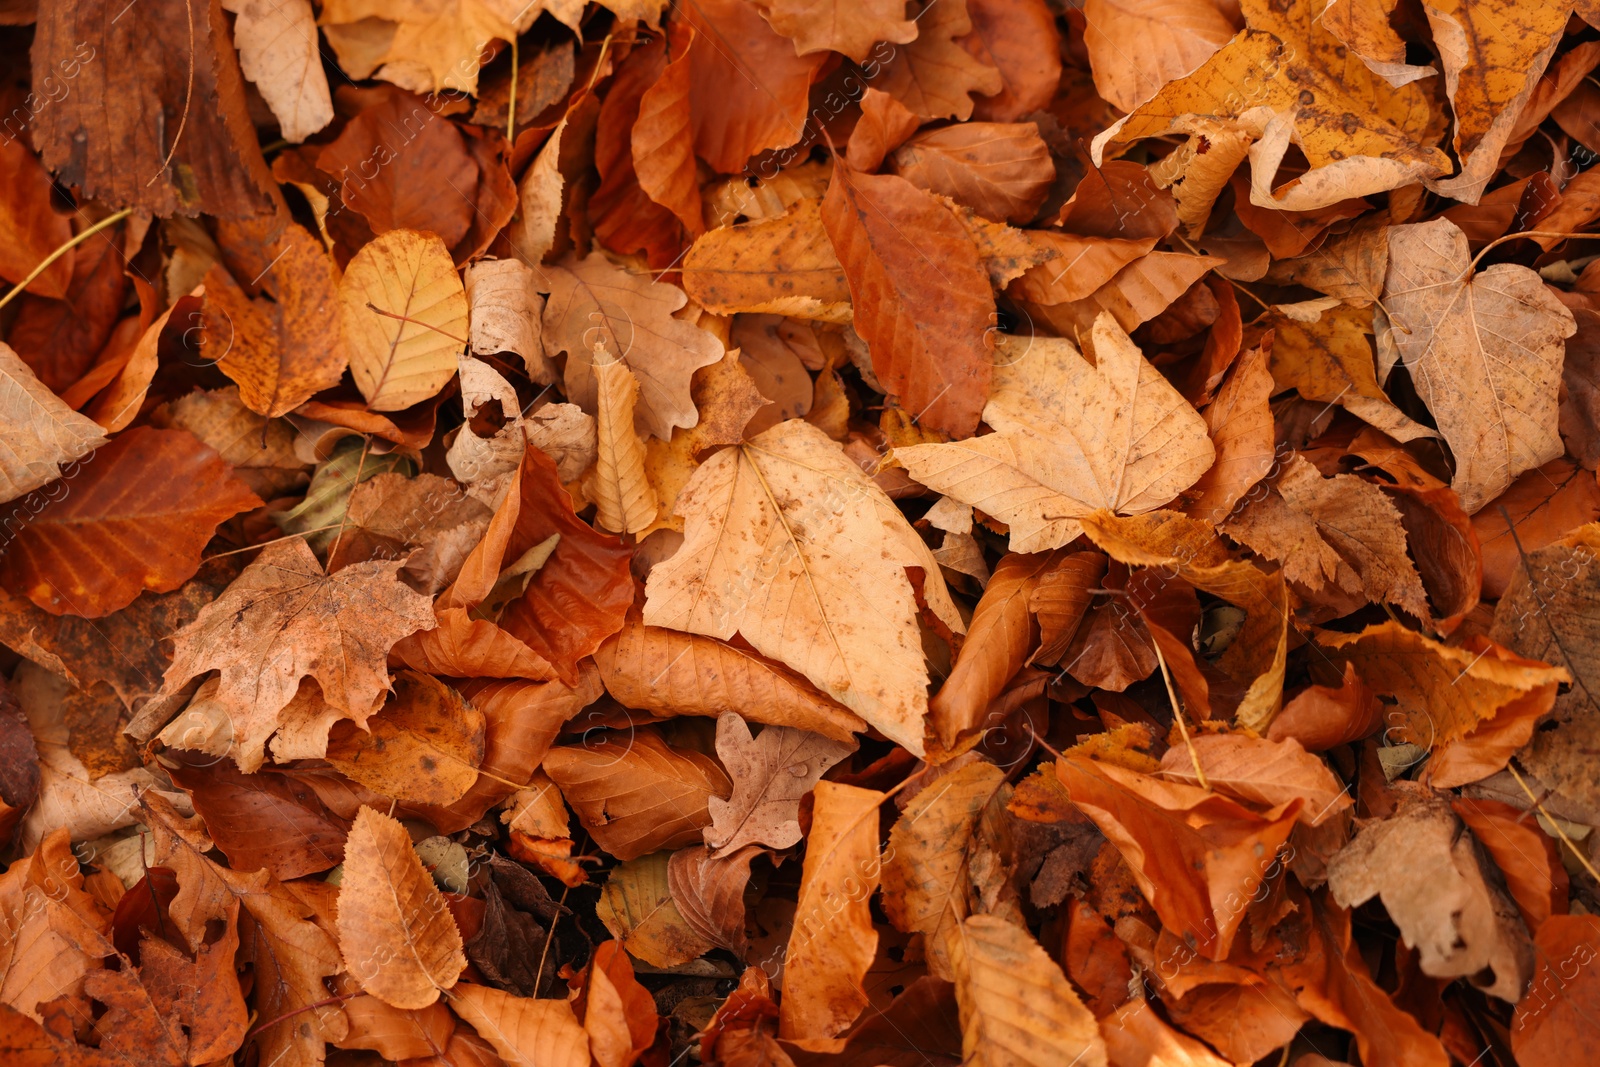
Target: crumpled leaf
column 284, row 619
column 771, row 773
column 794, row 581
column 1433, row 883
column 38, row 433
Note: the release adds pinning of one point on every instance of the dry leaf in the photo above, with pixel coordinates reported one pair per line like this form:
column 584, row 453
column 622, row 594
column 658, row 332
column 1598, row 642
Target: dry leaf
column 1070, row 437
column 709, row 893
column 39, row 435
column 933, row 75
column 793, row 581
column 636, row 905
column 525, row 1032
column 624, row 499
column 1003, row 171
column 1261, row 772
column 424, row 746
column 277, row 44
column 785, row 265
column 398, row 361
column 1495, row 406
column 1134, row 50
column 397, row 936
column 771, row 774
column 839, row 25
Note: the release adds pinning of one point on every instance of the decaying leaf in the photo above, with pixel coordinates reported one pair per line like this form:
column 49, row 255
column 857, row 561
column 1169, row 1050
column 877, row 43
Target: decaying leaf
column 771, row 773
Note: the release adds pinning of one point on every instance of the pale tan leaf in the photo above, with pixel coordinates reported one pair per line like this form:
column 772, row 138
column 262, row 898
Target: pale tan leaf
column 524, row 1031
column 625, row 500
column 533, row 228
column 1070, row 437
column 38, row 433
column 1017, row 1008
column 832, row 943
column 1485, row 351
column 771, row 774
column 504, row 314
column 596, row 307
column 399, row 363
column 395, row 931
column 789, row 544
column 277, row 42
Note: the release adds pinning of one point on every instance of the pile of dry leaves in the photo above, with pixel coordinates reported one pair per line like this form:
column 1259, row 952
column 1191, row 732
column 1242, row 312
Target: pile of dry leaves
column 807, row 533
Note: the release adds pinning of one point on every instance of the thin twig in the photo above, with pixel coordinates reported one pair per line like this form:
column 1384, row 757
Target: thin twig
column 1581, row 858
column 511, row 105
column 416, row 322
column 44, row 264
column 1177, row 717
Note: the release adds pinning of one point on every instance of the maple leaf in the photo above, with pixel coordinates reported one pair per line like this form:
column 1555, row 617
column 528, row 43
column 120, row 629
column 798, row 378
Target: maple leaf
column 284, row 619
column 1496, row 407
column 1070, row 437
column 771, row 773
column 796, row 582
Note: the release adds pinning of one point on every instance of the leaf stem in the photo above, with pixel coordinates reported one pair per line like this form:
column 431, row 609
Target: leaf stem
column 511, row 104
column 1539, row 806
column 44, row 264
column 415, row 322
column 1177, row 716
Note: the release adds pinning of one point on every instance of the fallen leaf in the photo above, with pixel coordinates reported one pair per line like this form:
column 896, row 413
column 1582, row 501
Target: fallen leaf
column 784, row 265
column 1242, row 434
column 1322, row 717
column 624, row 499
column 1135, row 50
column 1070, row 437
column 1330, row 360
column 709, row 893
column 832, row 942
column 933, row 75
column 1022, row 41
column 1500, row 419
column 884, row 126
column 1016, row 1005
column 636, row 905
column 1557, row 1015
column 921, row 302
column 771, row 774
column 795, row 584
column 397, row 362
column 839, row 26
column 278, row 51
column 1261, row 772
column 1544, row 504
column 397, row 937
column 39, row 435
column 663, row 137
column 595, row 306
column 525, row 1032
column 1003, row 171
column 1060, row 601
column 1434, row 886
column 284, row 619
column 93, row 543
column 426, row 48
column 636, row 794
column 1527, row 857
column 425, row 745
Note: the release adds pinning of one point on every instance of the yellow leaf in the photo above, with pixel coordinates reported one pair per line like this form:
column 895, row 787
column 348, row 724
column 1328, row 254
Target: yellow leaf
column 398, row 362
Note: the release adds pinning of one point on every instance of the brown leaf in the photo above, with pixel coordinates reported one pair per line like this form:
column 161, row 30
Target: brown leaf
column 278, row 52
column 636, row 794
column 629, row 318
column 264, row 820
column 392, row 160
column 749, row 93
column 667, row 672
column 1322, row 717
column 1433, row 884
column 663, row 137
column 39, row 435
column 1134, row 50
column 922, row 304
column 1544, row 504
column 1243, row 435
column 1557, row 1015
column 624, row 499
column 832, row 942
column 709, row 893
column 771, row 774
column 1002, row 171
column 424, row 746
column 1261, row 772
column 839, row 25
column 1020, row 39
column 637, row 906
column 136, row 518
column 619, row 1013
column 395, row 932
column 283, row 619
column 1330, row 360
column 933, row 75
column 507, row 947
column 926, row 870
column 30, row 227
column 1526, row 855
column 1449, row 326
column 625, row 218
column 999, row 638
column 1060, row 600
column 785, row 265
column 284, row 345
column 884, row 126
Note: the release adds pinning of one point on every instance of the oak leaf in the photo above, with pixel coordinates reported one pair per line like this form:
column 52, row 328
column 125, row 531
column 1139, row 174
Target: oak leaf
column 596, row 307
column 398, row 361
column 38, row 433
column 395, row 932
column 795, row 582
column 135, row 518
column 1451, row 326
column 771, row 774
column 933, row 75
column 921, row 298
column 1070, row 437
column 284, row 619
column 832, row 942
